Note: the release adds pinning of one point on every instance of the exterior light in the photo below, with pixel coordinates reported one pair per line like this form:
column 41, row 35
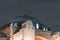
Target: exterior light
column 37, row 26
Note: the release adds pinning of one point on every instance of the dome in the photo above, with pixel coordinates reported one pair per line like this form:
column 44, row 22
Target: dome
column 24, row 18
column 17, row 21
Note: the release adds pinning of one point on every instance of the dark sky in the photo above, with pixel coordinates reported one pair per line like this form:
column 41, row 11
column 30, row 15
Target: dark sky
column 48, row 12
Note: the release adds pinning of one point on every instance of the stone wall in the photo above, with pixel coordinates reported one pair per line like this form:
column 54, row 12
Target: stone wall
column 48, row 34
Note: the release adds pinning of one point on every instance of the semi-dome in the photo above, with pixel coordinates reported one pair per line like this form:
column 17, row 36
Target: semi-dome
column 17, row 21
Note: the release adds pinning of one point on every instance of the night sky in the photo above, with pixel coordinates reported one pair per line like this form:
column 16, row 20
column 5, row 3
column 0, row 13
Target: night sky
column 48, row 12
